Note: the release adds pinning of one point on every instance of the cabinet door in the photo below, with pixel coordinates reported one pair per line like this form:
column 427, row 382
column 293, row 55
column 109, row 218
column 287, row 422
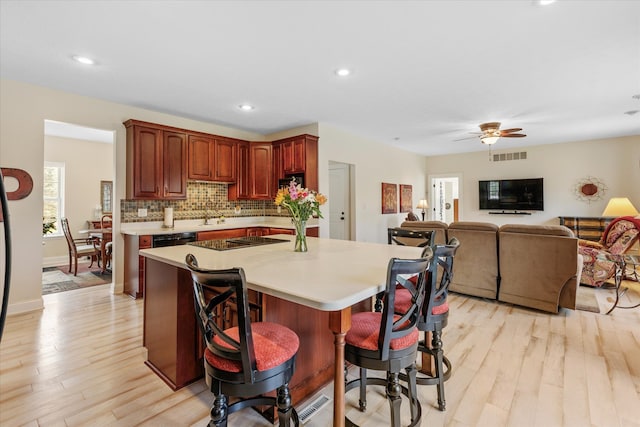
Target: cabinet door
column 221, row 234
column 201, row 158
column 147, row 163
column 293, row 156
column 277, row 171
column 240, row 190
column 174, row 165
column 260, row 171
column 225, row 160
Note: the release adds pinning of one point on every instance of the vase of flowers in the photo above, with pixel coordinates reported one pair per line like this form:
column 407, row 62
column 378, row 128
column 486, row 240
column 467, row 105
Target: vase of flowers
column 302, row 203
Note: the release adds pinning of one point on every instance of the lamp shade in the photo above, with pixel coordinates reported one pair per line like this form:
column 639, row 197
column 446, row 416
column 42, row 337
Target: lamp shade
column 620, row 206
column 422, row 204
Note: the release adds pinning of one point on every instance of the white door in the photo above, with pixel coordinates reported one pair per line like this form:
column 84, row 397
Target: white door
column 339, row 193
column 446, row 191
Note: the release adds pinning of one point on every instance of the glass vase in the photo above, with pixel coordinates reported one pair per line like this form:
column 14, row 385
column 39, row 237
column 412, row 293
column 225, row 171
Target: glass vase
column 301, row 236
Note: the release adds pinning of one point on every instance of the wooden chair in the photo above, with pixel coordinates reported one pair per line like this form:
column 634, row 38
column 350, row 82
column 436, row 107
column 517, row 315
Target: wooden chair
column 406, row 237
column 106, row 221
column 246, row 360
column 388, row 341
column 79, row 248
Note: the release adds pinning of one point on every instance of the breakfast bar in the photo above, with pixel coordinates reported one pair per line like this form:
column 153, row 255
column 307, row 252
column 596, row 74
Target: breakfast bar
column 329, row 279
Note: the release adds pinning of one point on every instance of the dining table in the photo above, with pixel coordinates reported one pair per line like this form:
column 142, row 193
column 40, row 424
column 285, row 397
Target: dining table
column 104, row 236
column 331, row 276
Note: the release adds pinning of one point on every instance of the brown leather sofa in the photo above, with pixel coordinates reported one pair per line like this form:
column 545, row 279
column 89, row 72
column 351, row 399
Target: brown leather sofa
column 475, row 269
column 534, row 266
column 439, row 228
column 539, row 266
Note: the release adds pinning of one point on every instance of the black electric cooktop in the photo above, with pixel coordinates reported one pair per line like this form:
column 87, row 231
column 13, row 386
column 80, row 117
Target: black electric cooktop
column 236, row 242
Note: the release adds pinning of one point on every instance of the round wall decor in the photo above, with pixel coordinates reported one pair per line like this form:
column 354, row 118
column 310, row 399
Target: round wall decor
column 590, row 189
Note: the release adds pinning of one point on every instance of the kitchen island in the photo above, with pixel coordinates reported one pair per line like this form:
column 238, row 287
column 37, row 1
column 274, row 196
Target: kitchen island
column 300, row 290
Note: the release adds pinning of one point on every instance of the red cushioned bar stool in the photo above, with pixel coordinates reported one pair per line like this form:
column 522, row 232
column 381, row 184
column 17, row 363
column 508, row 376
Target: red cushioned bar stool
column 433, row 317
column 248, row 359
column 388, row 341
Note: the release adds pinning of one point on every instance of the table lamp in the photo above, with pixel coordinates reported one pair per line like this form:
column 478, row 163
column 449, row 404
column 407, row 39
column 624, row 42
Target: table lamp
column 620, row 206
column 422, row 204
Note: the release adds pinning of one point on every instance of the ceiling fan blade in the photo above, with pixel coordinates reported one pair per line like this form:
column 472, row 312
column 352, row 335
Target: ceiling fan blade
column 513, row 135
column 467, row 138
column 511, row 130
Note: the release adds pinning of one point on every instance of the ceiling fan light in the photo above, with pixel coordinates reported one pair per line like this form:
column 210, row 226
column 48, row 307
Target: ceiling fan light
column 489, row 140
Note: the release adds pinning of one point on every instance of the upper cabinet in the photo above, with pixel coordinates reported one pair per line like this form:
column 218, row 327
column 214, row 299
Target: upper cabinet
column 212, row 158
column 254, row 172
column 298, row 155
column 156, row 161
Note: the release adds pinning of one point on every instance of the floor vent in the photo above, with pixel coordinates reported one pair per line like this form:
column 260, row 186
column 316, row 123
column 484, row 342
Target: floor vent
column 518, row 155
column 313, row 408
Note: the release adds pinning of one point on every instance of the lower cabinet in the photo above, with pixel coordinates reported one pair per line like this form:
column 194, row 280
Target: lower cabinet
column 221, row 234
column 175, row 347
column 134, row 264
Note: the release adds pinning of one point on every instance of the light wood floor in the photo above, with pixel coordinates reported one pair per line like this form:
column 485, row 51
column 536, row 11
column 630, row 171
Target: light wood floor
column 80, row 363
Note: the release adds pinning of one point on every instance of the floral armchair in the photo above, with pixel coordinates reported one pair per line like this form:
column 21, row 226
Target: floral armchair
column 618, row 238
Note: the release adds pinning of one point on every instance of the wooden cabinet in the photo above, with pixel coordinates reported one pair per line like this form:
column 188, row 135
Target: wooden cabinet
column 299, row 155
column 156, row 162
column 221, row 234
column 134, row 264
column 588, row 228
column 277, row 171
column 260, row 171
column 254, row 172
column 257, row 231
column 211, row 158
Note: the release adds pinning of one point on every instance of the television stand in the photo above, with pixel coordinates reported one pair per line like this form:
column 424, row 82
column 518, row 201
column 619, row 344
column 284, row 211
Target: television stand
column 510, row 213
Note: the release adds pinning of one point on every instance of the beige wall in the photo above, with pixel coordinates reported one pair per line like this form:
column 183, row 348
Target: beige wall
column 23, row 109
column 616, row 162
column 86, row 164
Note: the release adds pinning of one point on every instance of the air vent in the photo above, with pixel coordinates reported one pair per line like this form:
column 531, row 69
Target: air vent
column 518, row 155
column 313, row 408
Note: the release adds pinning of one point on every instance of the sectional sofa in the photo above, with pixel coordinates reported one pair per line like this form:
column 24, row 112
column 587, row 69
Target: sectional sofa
column 536, row 266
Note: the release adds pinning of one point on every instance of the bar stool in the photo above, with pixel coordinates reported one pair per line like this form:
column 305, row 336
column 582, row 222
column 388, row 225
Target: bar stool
column 388, row 341
column 246, row 360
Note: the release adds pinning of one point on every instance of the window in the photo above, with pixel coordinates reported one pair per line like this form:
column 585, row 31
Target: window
column 53, row 192
column 494, row 190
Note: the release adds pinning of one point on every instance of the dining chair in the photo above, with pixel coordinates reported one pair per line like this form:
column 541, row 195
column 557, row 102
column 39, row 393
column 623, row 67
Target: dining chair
column 407, row 237
column 388, row 340
column 244, row 361
column 79, row 247
column 106, row 221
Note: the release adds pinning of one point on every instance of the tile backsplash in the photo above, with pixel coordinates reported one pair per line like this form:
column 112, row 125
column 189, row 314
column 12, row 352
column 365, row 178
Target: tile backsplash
column 201, row 197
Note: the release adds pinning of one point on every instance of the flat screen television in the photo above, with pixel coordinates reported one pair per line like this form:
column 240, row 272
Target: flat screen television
column 512, row 194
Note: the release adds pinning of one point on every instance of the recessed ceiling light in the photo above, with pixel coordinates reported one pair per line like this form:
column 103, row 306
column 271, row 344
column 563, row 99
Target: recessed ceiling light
column 246, row 107
column 343, row 72
column 546, row 2
column 83, row 60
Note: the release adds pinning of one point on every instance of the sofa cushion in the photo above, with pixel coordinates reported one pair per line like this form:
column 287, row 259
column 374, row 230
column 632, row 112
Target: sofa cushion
column 550, row 230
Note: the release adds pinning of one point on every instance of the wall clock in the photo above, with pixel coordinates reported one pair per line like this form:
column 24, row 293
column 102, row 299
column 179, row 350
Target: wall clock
column 590, row 189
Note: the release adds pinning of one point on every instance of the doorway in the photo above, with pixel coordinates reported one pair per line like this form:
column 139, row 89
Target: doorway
column 83, row 160
column 446, row 197
column 341, row 205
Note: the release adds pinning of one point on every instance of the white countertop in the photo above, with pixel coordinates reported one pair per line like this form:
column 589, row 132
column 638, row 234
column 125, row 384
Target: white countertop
column 195, row 225
column 332, row 275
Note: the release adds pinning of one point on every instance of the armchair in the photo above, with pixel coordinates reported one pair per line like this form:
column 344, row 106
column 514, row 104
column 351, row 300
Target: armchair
column 619, row 236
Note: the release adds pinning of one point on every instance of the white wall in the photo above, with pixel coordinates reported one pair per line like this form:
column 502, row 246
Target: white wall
column 616, row 162
column 375, row 163
column 86, row 164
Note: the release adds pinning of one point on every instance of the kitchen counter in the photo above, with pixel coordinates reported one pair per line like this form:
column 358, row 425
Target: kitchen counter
column 312, row 292
column 184, row 226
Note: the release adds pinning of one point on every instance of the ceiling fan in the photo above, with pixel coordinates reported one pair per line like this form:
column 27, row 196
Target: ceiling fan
column 491, row 133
